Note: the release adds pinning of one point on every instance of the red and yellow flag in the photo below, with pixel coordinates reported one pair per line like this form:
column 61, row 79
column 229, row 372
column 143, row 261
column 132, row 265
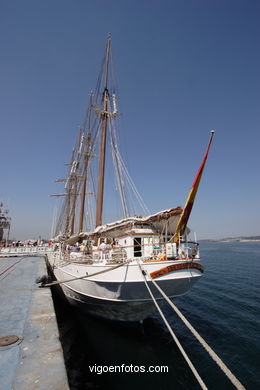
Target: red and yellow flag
column 180, row 229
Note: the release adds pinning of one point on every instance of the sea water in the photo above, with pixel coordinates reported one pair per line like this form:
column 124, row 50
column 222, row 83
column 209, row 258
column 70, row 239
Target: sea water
column 224, row 307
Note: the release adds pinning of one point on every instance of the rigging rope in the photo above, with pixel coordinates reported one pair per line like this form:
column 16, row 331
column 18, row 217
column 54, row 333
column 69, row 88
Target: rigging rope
column 86, row 276
column 213, row 355
column 118, row 172
column 68, row 218
column 132, row 185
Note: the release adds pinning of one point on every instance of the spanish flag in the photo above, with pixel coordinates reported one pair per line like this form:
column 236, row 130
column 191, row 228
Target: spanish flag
column 180, row 229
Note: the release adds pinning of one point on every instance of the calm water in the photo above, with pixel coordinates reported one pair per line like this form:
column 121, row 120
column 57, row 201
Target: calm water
column 224, row 307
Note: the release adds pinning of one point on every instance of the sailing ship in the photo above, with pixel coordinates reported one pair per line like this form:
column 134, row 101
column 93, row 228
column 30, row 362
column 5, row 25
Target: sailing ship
column 101, row 265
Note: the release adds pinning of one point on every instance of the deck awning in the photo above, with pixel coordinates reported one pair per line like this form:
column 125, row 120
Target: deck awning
column 156, row 222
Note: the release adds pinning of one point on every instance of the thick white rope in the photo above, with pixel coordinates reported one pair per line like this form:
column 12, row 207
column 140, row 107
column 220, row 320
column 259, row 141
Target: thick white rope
column 193, row 369
column 214, row 356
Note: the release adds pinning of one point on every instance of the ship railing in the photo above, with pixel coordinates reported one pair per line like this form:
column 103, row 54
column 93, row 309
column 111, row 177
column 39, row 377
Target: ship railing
column 185, row 250
column 188, row 250
column 110, row 256
column 24, row 250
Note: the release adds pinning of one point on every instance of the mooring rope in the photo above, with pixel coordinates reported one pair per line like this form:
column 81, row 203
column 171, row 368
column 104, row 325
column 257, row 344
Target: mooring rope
column 193, row 369
column 214, row 356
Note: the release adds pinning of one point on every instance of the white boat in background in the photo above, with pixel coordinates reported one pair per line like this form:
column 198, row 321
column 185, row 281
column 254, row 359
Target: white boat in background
column 101, row 267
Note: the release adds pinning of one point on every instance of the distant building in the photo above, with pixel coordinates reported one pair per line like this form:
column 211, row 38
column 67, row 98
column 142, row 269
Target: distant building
column 5, row 223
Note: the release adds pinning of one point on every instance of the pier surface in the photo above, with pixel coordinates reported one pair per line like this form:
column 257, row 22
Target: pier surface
column 31, row 356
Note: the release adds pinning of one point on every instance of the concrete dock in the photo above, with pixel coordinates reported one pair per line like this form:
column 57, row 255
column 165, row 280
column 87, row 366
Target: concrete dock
column 31, row 356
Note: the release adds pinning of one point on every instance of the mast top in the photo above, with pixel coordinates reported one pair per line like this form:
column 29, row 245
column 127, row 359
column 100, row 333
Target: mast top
column 107, row 59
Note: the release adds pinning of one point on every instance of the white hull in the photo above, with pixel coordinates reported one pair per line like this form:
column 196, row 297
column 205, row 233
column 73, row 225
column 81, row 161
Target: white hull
column 121, row 294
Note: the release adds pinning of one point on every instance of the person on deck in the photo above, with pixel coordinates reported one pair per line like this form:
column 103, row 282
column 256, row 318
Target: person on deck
column 102, row 248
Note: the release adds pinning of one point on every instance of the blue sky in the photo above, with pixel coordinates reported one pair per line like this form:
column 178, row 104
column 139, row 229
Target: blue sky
column 183, row 68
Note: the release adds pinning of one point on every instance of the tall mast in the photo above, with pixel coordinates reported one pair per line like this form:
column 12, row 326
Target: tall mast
column 74, row 203
column 68, row 205
column 86, row 163
column 84, row 183
column 101, row 170
column 74, row 179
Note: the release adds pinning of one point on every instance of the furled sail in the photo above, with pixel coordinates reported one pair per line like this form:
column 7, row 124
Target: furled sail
column 191, row 197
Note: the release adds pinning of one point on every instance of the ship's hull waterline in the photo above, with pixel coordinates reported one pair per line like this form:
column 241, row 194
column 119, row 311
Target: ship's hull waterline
column 121, row 294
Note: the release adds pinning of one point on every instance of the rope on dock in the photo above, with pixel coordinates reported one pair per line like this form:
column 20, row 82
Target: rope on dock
column 213, row 355
column 11, row 266
column 193, row 369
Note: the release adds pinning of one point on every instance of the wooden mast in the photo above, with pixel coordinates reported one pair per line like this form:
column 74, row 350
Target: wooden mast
column 74, row 203
column 84, row 183
column 101, row 170
column 86, row 163
column 75, row 183
column 67, row 223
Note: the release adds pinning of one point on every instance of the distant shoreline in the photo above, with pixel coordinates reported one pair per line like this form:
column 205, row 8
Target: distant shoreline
column 234, row 239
